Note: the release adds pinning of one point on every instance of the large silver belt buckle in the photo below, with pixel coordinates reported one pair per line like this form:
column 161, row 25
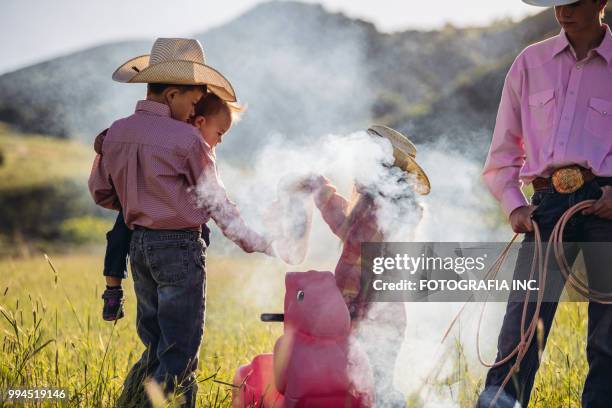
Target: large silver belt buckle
column 566, row 180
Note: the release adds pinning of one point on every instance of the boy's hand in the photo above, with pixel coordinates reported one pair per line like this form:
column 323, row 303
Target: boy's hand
column 602, row 207
column 113, row 304
column 99, row 140
column 520, row 219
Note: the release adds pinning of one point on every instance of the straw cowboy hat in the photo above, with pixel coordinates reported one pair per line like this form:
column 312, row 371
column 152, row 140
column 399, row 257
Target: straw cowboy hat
column 404, row 153
column 176, row 61
column 549, row 3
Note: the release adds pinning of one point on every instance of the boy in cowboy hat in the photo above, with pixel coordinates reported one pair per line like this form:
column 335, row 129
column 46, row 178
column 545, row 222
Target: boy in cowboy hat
column 361, row 221
column 150, row 165
column 553, row 130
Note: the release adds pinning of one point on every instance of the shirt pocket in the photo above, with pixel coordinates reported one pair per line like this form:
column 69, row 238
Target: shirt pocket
column 599, row 118
column 542, row 109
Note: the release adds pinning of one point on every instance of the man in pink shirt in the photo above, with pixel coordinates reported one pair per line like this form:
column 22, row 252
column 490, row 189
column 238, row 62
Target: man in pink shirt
column 554, row 130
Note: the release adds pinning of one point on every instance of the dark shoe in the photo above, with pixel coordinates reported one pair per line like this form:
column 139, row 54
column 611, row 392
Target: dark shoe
column 113, row 304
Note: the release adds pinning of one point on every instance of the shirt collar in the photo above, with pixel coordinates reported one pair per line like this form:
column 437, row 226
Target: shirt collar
column 604, row 49
column 152, row 107
column 561, row 43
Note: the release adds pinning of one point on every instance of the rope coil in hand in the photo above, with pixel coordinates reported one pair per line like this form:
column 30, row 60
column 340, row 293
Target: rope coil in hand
column 528, row 333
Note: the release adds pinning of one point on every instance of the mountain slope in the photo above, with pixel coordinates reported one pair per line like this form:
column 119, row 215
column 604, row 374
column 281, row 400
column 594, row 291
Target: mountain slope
column 303, row 72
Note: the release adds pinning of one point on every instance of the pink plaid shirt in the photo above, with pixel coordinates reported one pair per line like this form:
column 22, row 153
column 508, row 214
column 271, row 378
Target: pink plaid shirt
column 150, row 166
column 555, row 111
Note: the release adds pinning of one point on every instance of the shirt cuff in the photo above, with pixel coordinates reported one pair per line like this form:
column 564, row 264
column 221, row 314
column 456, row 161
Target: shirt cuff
column 513, row 198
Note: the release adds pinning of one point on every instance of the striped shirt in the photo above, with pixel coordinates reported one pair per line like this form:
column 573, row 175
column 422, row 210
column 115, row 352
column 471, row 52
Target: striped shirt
column 164, row 176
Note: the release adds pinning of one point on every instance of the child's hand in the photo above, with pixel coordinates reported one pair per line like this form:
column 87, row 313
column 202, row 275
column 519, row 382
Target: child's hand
column 99, row 140
column 308, row 183
column 270, row 250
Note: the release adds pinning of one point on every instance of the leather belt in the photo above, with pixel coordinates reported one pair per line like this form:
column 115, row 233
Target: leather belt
column 564, row 180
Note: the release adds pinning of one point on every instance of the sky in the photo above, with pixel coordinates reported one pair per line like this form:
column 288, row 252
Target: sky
column 34, row 30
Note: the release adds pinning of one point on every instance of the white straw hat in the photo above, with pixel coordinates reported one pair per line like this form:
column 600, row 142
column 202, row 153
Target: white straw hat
column 176, row 61
column 404, row 153
column 549, row 3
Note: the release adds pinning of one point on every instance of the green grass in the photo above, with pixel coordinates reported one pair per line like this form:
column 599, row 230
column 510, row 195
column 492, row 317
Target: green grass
column 43, row 194
column 563, row 367
column 52, row 334
column 34, row 160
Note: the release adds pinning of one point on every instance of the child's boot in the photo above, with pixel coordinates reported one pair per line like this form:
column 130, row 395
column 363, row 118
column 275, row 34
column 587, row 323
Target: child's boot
column 113, row 303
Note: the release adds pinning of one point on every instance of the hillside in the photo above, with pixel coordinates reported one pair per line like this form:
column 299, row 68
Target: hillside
column 302, row 72
column 43, row 191
column 466, row 112
column 32, row 160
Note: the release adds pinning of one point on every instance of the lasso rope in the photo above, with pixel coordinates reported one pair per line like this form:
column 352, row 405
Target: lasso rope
column 527, row 334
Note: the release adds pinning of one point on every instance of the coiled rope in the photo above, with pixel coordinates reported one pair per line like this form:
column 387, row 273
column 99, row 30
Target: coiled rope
column 541, row 263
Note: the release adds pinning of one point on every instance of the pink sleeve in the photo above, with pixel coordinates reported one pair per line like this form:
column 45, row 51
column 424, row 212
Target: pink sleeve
column 507, row 154
column 101, row 187
column 212, row 198
column 332, row 205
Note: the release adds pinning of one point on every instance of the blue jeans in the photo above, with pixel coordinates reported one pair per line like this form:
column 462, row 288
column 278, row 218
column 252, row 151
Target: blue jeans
column 118, row 247
column 168, row 268
column 581, row 228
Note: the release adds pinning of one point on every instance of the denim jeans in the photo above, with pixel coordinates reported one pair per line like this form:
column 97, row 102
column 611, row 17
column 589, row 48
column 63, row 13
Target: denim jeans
column 118, row 247
column 168, row 268
column 580, row 229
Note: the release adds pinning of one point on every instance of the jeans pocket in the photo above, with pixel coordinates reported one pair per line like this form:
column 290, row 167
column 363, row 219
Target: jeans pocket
column 594, row 190
column 199, row 253
column 169, row 260
column 537, row 198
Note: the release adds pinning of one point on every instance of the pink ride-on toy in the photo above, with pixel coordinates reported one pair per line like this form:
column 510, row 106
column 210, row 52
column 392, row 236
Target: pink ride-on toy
column 313, row 365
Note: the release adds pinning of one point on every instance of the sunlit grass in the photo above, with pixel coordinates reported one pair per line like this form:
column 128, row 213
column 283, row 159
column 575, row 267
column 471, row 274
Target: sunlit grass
column 53, row 335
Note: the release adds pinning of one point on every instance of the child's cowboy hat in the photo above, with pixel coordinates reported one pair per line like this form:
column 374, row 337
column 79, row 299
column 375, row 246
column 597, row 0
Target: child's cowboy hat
column 176, row 61
column 404, row 153
column 549, row 3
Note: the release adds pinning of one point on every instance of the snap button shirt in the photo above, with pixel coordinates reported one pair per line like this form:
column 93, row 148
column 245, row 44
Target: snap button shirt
column 553, row 113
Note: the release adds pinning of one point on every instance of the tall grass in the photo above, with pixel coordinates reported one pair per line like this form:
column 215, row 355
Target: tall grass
column 52, row 335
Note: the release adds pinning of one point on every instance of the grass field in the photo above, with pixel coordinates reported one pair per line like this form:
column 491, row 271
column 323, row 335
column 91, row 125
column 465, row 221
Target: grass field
column 52, row 334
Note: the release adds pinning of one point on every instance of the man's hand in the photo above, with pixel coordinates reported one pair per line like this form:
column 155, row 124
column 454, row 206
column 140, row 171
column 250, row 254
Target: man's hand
column 99, row 140
column 520, row 219
column 602, row 207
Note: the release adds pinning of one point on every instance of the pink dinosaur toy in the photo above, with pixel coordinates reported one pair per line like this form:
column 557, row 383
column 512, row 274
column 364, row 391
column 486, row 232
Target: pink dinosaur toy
column 314, row 364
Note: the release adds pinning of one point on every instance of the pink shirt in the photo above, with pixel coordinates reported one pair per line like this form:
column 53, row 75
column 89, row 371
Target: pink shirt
column 149, row 166
column 555, row 111
column 353, row 227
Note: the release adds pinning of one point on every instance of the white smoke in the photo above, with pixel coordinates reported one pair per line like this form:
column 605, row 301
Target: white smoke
column 458, row 209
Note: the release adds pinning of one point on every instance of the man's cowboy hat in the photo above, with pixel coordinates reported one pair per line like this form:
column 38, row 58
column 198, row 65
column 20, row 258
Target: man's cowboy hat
column 549, row 3
column 176, row 61
column 404, row 153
